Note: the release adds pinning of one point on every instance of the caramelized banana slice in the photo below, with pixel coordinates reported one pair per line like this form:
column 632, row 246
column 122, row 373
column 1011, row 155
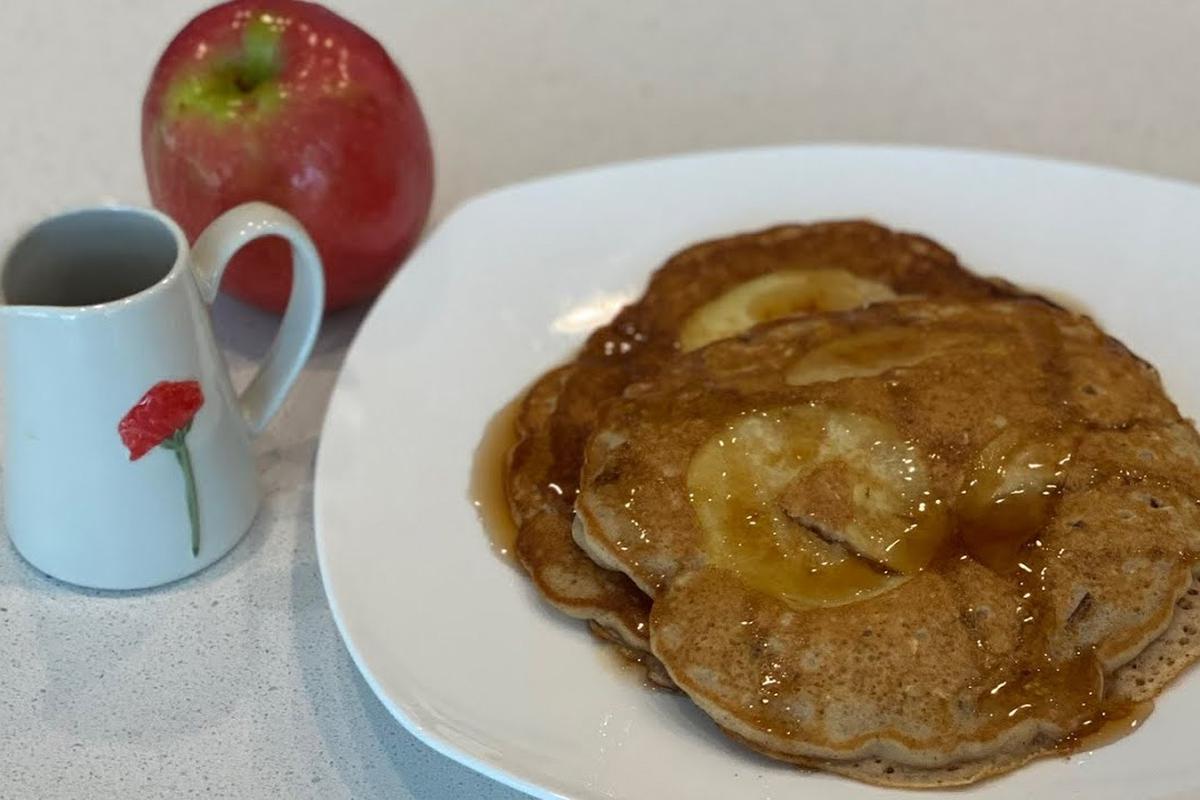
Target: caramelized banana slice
column 775, row 295
column 1008, row 495
column 874, row 352
column 818, row 506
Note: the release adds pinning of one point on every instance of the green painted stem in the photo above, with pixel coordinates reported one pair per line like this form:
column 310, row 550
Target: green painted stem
column 179, row 446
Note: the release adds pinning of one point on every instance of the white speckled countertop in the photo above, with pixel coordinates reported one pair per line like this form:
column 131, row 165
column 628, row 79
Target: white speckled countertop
column 234, row 683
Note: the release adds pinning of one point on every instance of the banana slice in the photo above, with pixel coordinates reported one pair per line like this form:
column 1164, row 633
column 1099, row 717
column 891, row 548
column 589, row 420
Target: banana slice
column 817, row 506
column 775, row 295
column 874, row 352
column 1009, row 494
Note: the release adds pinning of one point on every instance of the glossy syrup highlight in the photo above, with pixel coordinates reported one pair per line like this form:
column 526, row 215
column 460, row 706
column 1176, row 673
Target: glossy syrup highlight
column 487, row 491
column 1113, row 723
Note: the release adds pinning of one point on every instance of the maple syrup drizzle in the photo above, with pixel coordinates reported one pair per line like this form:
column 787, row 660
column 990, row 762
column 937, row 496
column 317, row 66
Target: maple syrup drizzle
column 1111, row 724
column 1010, row 494
column 774, row 492
column 487, row 492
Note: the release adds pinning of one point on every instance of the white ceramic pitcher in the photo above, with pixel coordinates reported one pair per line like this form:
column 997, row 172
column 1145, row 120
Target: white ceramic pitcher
column 126, row 452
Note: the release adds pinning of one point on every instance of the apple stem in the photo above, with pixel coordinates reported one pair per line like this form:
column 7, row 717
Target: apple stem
column 260, row 59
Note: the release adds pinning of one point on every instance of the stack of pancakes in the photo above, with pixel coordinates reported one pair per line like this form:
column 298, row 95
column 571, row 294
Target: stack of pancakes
column 872, row 513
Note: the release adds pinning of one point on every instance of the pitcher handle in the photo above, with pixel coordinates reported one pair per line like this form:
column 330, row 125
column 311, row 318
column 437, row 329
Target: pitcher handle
column 211, row 253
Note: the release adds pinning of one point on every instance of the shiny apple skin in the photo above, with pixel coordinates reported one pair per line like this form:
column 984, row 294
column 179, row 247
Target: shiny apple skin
column 345, row 149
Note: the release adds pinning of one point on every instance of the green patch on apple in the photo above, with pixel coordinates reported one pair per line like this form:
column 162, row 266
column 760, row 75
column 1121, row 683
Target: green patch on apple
column 240, row 84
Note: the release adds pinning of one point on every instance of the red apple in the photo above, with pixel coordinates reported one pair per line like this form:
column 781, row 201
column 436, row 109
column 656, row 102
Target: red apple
column 286, row 102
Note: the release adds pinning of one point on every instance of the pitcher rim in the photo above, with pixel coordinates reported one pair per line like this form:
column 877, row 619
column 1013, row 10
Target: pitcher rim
column 182, row 248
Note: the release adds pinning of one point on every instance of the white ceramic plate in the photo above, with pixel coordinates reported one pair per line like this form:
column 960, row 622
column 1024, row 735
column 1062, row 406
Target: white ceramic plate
column 457, row 645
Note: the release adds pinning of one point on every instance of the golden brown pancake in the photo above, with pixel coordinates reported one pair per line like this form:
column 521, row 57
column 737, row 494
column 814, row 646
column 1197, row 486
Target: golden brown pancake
column 918, row 543
column 707, row 291
column 540, row 497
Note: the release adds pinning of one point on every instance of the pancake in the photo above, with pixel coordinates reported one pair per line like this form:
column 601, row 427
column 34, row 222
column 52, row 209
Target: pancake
column 703, row 293
column 540, row 496
column 918, row 543
column 1132, row 685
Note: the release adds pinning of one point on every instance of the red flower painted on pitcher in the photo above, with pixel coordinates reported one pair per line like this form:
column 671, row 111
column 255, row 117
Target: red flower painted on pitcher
column 163, row 418
column 166, row 408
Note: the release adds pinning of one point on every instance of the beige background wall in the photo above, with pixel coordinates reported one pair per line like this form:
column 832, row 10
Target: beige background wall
column 525, row 87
